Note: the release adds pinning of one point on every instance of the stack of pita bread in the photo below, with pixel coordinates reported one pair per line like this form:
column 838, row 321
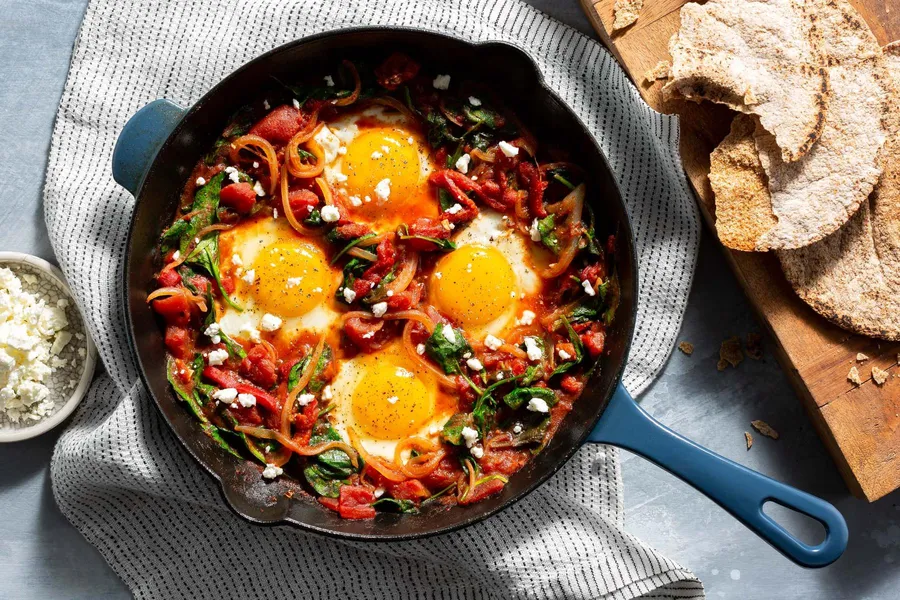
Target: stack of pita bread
column 811, row 167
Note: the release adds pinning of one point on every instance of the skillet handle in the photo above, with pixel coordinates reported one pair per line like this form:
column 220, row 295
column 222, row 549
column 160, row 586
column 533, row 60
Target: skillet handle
column 735, row 488
column 140, row 140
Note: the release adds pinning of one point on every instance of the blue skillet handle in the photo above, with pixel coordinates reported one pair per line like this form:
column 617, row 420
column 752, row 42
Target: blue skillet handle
column 140, row 140
column 735, row 488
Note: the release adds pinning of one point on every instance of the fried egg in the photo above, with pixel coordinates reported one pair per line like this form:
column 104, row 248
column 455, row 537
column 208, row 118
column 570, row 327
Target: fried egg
column 279, row 272
column 379, row 162
column 386, row 397
column 482, row 284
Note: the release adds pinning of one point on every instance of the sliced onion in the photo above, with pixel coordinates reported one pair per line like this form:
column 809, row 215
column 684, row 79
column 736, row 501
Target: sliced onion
column 406, row 274
column 165, row 292
column 263, row 150
column 287, row 411
column 357, row 86
column 422, row 466
column 386, row 470
column 288, row 212
column 300, row 169
column 573, row 205
column 364, row 254
column 270, row 434
column 483, row 156
column 391, row 102
column 414, row 443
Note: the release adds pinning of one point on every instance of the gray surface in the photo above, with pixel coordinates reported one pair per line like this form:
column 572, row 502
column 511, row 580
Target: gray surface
column 42, row 556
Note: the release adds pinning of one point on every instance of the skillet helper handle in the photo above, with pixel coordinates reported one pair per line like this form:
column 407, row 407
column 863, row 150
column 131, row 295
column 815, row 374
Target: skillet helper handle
column 140, row 140
column 735, row 488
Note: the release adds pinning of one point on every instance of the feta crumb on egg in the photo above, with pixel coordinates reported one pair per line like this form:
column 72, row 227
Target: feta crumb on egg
column 469, row 435
column 538, row 405
column 217, row 357
column 225, row 396
column 236, row 259
column 532, row 349
column 379, row 309
column 410, row 140
column 393, row 400
column 200, row 181
column 563, row 354
column 368, row 198
column 462, row 163
column 293, row 281
column 269, row 322
column 271, row 471
column 476, row 451
column 527, row 317
column 349, row 295
column 383, row 189
column 327, row 393
column 355, row 201
column 534, row 231
column 329, row 80
column 246, row 400
column 330, row 214
column 420, row 349
column 438, row 275
column 249, row 276
column 305, row 399
column 508, row 149
column 296, row 103
column 474, row 364
column 258, row 188
column 454, row 209
column 474, row 101
column 317, row 290
column 441, row 82
column 492, row 342
column 588, row 288
column 251, row 332
column 376, row 155
column 448, row 333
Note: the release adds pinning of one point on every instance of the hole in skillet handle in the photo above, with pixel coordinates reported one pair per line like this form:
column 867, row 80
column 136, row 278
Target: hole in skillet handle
column 737, row 489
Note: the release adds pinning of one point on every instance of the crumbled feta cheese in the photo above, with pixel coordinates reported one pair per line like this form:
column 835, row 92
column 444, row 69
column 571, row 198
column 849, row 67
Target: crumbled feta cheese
column 251, row 332
column 258, row 188
column 508, row 149
column 368, row 335
column 563, row 354
column 448, row 333
column 467, row 355
column 389, row 293
column 441, row 82
column 538, row 405
column 383, row 189
column 376, row 155
column 420, row 349
column 266, row 105
column 330, row 143
column 379, row 309
column 379, row 492
column 462, row 163
column 274, row 213
column 246, row 400
column 534, row 231
column 317, row 290
column 255, row 164
column 410, row 140
column 368, row 199
column 271, row 471
column 269, row 322
column 200, row 181
column 237, row 260
column 588, row 288
column 293, row 281
column 527, row 317
column 517, row 429
column 469, row 435
column 330, row 214
column 474, row 364
column 474, row 101
column 342, row 150
column 438, row 275
column 296, row 103
column 493, row 343
column 233, row 174
column 355, row 201
column 217, row 357
column 249, row 276
column 329, row 81
column 393, row 400
column 476, row 451
column 305, row 399
column 532, row 349
column 213, row 332
column 454, row 209
column 225, row 396
column 349, row 295
column 60, row 342
column 327, row 393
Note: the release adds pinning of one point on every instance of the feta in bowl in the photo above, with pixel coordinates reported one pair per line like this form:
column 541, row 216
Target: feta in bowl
column 47, row 359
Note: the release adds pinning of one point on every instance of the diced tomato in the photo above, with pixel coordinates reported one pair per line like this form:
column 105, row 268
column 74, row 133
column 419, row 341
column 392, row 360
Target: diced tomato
column 247, row 416
column 355, row 502
column 457, row 185
column 280, row 125
column 571, row 384
column 351, row 231
column 503, row 461
column 239, row 196
column 566, row 347
column 387, row 257
column 357, row 329
column 426, row 227
column 591, row 273
column 407, row 298
column 228, row 379
column 330, row 503
column 517, row 366
column 178, row 341
column 447, row 472
column 259, row 367
column 396, row 70
column 201, row 282
column 594, row 340
column 302, row 202
column 228, row 283
column 611, row 244
column 305, row 419
column 536, row 186
column 488, row 488
column 176, row 310
column 411, row 489
column 169, row 278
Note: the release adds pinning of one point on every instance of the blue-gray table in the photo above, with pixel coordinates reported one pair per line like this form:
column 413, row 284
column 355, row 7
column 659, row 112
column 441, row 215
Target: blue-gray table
column 42, row 556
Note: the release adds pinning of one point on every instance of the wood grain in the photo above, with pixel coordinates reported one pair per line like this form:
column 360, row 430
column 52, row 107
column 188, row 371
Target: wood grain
column 860, row 425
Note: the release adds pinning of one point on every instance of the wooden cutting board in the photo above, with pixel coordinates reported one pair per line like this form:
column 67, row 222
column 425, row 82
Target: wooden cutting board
column 860, row 425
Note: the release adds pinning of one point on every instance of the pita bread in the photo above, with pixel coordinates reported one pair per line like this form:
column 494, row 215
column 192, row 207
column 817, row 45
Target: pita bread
column 852, row 277
column 626, row 12
column 814, row 196
column 761, row 57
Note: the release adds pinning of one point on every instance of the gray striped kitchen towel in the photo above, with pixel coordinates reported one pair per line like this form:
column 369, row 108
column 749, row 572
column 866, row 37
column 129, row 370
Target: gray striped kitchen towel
column 121, row 477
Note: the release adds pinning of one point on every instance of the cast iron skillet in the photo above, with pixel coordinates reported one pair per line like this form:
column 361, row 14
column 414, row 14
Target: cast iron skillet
column 153, row 157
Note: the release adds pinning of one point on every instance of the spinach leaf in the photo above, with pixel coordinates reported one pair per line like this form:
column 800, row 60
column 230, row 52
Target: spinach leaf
column 531, row 435
column 548, row 236
column 322, row 482
column 206, row 203
column 235, row 350
column 593, row 245
column 445, row 245
column 447, row 352
column 579, row 349
column 445, row 198
column 379, row 292
column 439, row 130
column 335, row 461
column 483, row 413
column 249, row 442
column 481, row 115
column 437, row 495
column 394, row 505
column 353, row 270
column 350, row 245
column 206, row 256
column 519, row 396
column 452, row 431
column 316, row 383
column 314, row 219
column 482, row 140
column 407, row 97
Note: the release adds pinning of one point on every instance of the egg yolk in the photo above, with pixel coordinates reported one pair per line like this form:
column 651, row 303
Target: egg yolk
column 378, row 154
column 391, row 402
column 473, row 284
column 292, row 278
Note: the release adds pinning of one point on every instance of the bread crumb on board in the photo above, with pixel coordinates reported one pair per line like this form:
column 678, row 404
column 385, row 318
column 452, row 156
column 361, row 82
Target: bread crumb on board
column 879, row 376
column 860, row 357
column 686, row 347
column 749, row 438
column 730, row 353
column 626, row 13
column 853, row 376
column 660, row 71
column 764, row 428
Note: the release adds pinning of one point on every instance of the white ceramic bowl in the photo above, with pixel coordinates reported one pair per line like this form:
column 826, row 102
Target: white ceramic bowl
column 25, row 263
